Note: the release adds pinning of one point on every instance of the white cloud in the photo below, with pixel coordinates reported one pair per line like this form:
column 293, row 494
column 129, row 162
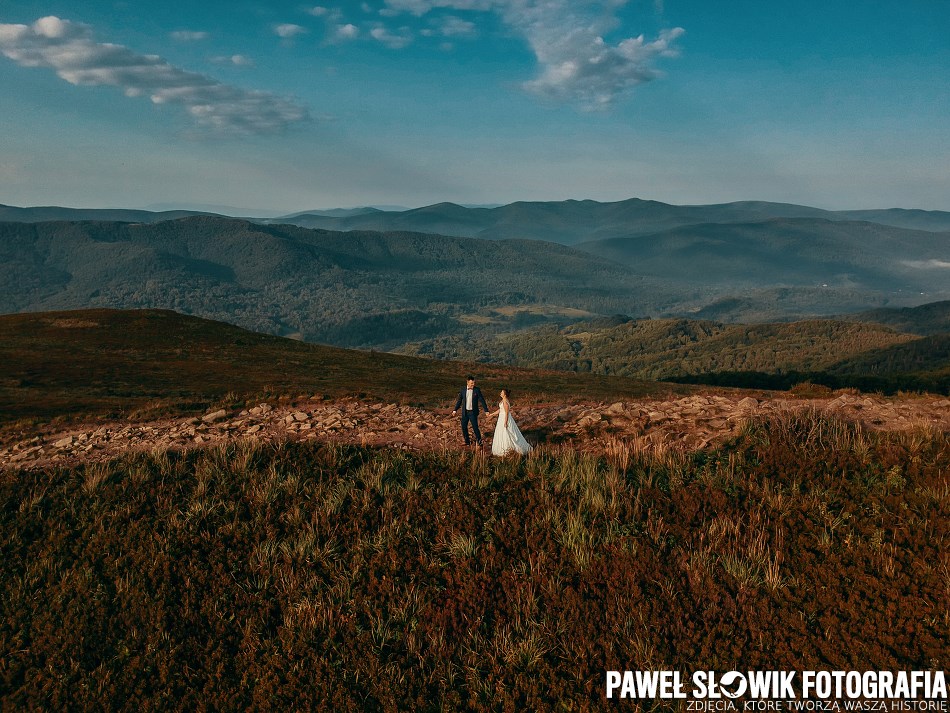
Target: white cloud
column 456, row 27
column 68, row 48
column 188, row 35
column 328, row 14
column 567, row 37
column 288, row 30
column 582, row 67
column 928, row 264
column 9, row 171
column 421, row 7
column 347, row 32
column 238, row 60
column 390, row 39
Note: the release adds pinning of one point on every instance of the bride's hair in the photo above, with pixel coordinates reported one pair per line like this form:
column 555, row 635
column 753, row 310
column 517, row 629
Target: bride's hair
column 507, row 392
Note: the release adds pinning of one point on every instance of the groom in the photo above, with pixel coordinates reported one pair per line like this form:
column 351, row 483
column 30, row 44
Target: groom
column 468, row 401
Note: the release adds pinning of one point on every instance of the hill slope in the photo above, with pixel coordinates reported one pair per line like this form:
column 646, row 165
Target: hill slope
column 350, row 289
column 657, row 349
column 139, row 362
column 932, row 318
column 786, row 251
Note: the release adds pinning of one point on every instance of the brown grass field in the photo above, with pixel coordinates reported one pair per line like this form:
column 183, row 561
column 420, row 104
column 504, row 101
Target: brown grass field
column 305, row 575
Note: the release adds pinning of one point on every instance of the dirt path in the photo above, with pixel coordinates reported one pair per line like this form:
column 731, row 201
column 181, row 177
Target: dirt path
column 686, row 423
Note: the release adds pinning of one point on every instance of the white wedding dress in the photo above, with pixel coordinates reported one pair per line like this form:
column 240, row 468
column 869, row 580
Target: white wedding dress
column 507, row 439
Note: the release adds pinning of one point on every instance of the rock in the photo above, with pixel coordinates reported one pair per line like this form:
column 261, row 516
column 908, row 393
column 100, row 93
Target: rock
column 299, row 416
column 255, row 428
column 589, row 420
column 64, row 442
column 616, row 408
column 748, row 403
column 215, row 416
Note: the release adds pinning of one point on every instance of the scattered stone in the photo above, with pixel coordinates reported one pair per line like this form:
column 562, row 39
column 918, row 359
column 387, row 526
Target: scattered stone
column 748, row 403
column 64, row 442
column 589, row 420
column 214, row 417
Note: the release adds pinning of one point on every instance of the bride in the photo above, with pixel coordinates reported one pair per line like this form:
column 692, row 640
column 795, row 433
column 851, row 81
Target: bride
column 507, row 436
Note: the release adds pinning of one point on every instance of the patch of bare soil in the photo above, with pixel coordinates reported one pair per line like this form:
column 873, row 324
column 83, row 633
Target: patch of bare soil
column 687, row 423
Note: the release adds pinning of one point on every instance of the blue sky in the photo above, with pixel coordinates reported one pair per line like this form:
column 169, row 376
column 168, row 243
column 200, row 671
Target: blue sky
column 283, row 106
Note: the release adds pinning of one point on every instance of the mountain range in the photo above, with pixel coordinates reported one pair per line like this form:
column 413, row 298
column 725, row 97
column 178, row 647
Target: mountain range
column 386, row 279
column 567, row 222
column 572, row 221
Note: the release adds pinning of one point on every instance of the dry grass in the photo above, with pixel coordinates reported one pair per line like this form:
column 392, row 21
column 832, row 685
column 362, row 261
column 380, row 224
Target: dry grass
column 303, row 576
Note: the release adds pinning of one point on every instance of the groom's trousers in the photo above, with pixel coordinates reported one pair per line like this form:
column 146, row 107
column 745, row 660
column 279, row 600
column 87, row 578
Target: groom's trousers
column 467, row 418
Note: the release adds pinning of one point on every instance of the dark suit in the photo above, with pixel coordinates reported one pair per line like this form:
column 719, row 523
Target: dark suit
column 470, row 416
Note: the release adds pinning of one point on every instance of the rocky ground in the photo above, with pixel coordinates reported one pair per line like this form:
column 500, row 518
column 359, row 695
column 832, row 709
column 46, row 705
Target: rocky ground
column 686, row 423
